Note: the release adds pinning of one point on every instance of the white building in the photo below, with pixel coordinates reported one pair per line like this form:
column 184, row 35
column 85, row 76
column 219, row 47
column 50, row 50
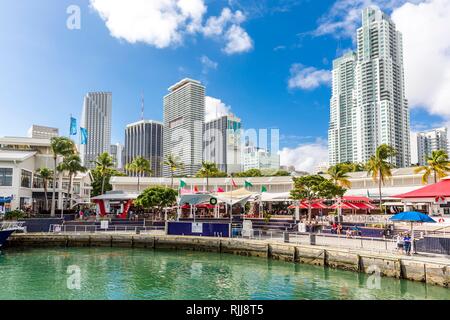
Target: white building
column 20, row 158
column 375, row 111
column 42, row 132
column 96, row 118
column 116, row 152
column 184, row 116
column 430, row 141
column 258, row 158
column 222, row 143
column 341, row 134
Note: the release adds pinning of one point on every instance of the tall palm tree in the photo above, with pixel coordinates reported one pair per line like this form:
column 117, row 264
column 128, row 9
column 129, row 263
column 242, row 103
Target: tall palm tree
column 140, row 166
column 104, row 164
column 174, row 164
column 46, row 175
column 72, row 165
column 207, row 170
column 60, row 146
column 379, row 166
column 339, row 175
column 438, row 164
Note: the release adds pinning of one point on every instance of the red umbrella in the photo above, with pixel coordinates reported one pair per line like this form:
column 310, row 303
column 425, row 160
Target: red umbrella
column 344, row 205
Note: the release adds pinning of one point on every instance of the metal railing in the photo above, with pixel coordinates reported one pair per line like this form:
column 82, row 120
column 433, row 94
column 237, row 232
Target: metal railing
column 337, row 241
column 58, row 228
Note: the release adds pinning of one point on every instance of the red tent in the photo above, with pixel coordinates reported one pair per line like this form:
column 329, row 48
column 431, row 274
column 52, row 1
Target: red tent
column 364, row 206
column 436, row 192
column 356, row 199
column 345, row 206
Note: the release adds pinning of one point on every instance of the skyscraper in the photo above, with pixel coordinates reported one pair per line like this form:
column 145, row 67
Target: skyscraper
column 145, row 139
column 184, row 116
column 375, row 111
column 96, row 118
column 222, row 143
column 430, row 141
column 341, row 137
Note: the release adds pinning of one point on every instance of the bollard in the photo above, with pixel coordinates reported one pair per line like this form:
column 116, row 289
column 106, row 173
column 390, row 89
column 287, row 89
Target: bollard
column 286, row 237
column 312, row 239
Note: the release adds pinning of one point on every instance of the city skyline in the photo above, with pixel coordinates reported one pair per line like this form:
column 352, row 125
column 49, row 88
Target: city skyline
column 276, row 72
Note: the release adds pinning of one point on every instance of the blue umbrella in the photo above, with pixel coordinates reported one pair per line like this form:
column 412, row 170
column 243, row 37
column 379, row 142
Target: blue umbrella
column 412, row 216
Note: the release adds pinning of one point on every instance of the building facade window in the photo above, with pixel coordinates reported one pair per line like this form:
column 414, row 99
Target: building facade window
column 6, row 177
column 25, row 180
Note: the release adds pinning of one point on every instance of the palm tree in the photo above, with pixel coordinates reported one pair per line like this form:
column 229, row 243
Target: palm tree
column 207, row 170
column 174, row 164
column 438, row 164
column 338, row 174
column 140, row 166
column 104, row 164
column 71, row 164
column 60, row 146
column 379, row 166
column 46, row 175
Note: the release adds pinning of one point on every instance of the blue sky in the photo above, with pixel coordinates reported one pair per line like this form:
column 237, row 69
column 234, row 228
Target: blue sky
column 46, row 69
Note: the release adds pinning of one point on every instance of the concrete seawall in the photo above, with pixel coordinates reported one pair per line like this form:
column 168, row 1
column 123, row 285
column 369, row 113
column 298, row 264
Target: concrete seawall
column 390, row 265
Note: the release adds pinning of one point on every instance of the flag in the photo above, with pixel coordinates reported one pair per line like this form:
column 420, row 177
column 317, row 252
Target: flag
column 182, row 184
column 233, row 183
column 84, row 135
column 248, row 184
column 263, row 189
column 73, row 126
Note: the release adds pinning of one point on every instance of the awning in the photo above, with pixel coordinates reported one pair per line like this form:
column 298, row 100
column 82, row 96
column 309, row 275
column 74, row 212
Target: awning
column 364, row 205
column 434, row 192
column 345, row 206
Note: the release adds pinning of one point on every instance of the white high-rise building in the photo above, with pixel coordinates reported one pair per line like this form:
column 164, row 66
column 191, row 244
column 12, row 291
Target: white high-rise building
column 341, row 138
column 376, row 110
column 96, row 118
column 430, row 141
column 184, row 117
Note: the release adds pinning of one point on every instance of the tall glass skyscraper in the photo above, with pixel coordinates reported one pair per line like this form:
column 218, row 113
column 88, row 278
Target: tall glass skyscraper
column 370, row 108
column 184, row 117
column 96, row 118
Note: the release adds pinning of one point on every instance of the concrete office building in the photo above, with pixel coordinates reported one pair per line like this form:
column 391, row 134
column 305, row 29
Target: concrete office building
column 259, row 158
column 96, row 118
column 42, row 132
column 145, row 139
column 222, row 143
column 184, row 116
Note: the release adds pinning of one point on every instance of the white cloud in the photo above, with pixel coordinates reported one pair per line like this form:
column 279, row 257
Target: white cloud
column 215, row 108
column 208, row 64
column 165, row 23
column 238, row 40
column 307, row 78
column 215, row 26
column 426, row 43
column 306, row 157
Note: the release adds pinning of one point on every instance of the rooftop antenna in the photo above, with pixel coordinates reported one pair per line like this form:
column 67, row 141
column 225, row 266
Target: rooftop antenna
column 142, row 105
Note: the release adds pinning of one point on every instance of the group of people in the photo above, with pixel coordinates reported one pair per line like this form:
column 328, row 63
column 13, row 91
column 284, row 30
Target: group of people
column 337, row 228
column 404, row 243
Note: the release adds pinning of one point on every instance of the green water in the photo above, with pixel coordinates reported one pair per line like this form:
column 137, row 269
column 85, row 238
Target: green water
column 147, row 274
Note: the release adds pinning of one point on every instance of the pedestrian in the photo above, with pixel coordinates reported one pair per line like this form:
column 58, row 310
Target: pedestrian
column 407, row 244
